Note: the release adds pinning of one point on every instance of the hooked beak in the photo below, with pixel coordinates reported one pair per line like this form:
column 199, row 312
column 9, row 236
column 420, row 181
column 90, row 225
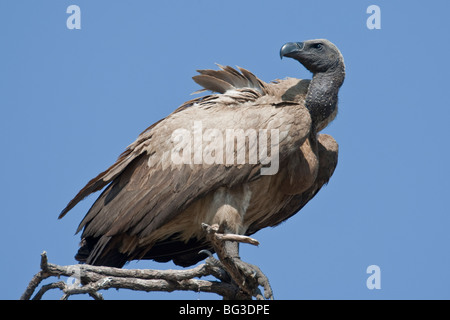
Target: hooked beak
column 290, row 49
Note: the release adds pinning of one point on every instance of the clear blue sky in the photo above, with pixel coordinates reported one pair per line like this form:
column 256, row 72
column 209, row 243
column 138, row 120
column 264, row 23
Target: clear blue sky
column 72, row 100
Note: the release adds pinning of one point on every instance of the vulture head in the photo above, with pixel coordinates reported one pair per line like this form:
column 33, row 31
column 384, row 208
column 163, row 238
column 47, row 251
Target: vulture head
column 325, row 61
column 319, row 55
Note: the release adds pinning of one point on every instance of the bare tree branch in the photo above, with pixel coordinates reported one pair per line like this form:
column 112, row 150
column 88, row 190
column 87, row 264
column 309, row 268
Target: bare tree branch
column 87, row 279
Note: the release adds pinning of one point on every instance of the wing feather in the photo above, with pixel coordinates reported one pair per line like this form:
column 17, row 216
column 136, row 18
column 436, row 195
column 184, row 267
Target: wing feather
column 328, row 158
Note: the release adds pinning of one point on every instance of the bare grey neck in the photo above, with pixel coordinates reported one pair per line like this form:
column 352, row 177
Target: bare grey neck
column 322, row 96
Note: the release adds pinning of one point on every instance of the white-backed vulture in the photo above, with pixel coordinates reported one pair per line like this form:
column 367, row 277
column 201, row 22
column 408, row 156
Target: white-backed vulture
column 162, row 188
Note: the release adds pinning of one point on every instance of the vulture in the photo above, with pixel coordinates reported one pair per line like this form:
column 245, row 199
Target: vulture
column 245, row 156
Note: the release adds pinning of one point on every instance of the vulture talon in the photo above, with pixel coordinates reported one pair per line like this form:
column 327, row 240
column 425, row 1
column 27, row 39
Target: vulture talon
column 248, row 276
column 207, row 252
column 211, row 260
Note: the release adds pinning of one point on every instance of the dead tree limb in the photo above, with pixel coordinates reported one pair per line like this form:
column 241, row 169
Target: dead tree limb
column 87, row 279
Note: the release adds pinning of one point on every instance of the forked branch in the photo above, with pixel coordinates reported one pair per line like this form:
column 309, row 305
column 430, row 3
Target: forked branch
column 87, row 279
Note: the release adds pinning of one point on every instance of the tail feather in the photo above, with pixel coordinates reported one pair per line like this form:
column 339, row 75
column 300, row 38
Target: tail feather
column 96, row 252
column 104, row 251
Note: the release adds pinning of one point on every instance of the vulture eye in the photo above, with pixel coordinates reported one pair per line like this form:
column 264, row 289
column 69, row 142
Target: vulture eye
column 318, row 46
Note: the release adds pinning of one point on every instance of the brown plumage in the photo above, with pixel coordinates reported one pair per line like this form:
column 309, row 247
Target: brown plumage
column 153, row 207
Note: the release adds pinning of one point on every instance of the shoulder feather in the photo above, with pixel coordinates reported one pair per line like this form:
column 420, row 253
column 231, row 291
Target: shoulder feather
column 229, row 78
